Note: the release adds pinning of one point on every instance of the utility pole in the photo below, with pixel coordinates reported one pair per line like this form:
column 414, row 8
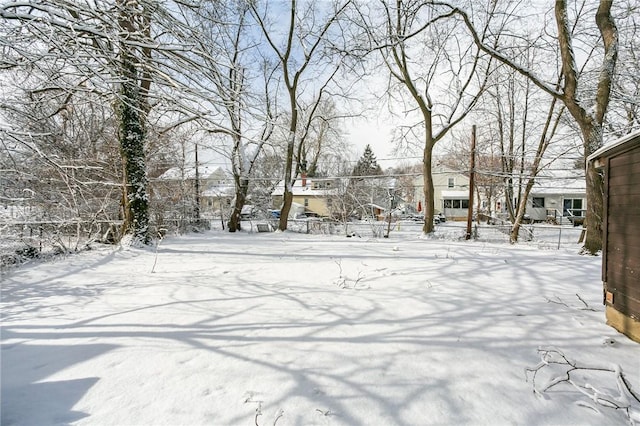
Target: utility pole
column 471, row 181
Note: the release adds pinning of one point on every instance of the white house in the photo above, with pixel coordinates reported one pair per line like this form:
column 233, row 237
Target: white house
column 561, row 198
column 451, row 193
column 311, row 196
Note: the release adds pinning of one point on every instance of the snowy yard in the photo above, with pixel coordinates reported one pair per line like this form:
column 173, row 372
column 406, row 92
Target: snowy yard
column 293, row 329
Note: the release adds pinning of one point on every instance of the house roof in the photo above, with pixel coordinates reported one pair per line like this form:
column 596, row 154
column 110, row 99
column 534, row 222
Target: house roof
column 375, row 206
column 576, row 186
column 204, row 172
column 305, row 191
column 618, row 146
column 559, row 182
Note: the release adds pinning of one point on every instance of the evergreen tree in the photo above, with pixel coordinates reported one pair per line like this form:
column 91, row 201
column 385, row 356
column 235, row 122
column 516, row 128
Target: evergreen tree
column 367, row 164
column 363, row 190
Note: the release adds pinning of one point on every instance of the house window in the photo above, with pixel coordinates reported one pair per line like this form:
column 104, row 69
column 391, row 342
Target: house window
column 456, row 204
column 573, row 207
column 306, row 202
column 538, row 201
column 451, row 182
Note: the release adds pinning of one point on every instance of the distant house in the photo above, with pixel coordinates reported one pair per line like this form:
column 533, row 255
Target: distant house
column 315, row 196
column 451, row 193
column 558, row 199
column 217, row 192
column 216, row 198
column 177, row 187
column 620, row 162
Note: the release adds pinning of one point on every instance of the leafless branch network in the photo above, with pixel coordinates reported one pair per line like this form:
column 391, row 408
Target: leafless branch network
column 576, row 375
column 558, row 301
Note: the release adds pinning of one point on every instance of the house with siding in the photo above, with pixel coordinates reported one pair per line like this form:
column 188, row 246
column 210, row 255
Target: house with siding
column 451, row 193
column 311, row 196
column 620, row 162
column 559, row 199
column 177, row 187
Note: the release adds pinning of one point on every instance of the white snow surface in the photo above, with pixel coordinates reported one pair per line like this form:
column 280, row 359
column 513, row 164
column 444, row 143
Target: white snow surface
column 292, row 329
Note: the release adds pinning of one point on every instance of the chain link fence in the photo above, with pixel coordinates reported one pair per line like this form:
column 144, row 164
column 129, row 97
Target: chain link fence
column 540, row 235
column 21, row 241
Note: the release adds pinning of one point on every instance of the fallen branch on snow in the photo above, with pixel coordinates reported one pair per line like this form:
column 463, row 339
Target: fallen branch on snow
column 625, row 399
column 343, row 281
column 250, row 399
column 559, row 301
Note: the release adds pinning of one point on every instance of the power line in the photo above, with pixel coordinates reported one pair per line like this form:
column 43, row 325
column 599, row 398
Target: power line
column 502, row 175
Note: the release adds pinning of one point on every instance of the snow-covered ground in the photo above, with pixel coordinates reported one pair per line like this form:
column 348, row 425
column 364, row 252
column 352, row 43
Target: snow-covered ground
column 294, row 329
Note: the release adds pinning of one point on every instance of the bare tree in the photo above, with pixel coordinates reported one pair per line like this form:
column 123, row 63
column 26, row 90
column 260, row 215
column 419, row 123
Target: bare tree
column 527, row 122
column 444, row 84
column 267, row 174
column 624, row 109
column 587, row 109
column 321, row 144
column 100, row 48
column 60, row 171
column 134, row 20
column 173, row 189
column 235, row 81
column 300, row 53
column 545, row 137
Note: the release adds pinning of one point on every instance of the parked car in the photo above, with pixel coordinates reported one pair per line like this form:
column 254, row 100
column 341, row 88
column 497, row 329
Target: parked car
column 440, row 218
column 418, row 217
column 248, row 212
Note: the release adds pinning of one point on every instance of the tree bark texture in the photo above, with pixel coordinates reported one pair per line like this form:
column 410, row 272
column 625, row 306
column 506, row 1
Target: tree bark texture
column 595, row 204
column 590, row 121
column 242, row 188
column 131, row 114
column 429, row 203
column 132, row 137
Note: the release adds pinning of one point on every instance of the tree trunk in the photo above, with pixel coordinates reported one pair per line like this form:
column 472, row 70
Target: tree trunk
column 286, row 208
column 595, row 198
column 132, row 137
column 522, row 206
column 591, row 121
column 287, row 198
column 242, row 188
column 429, row 204
column 131, row 115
